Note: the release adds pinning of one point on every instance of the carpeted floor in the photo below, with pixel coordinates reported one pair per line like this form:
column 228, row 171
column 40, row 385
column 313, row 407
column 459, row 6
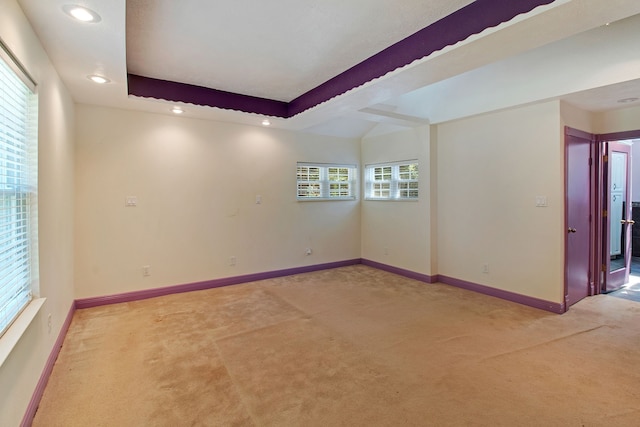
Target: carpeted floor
column 352, row 346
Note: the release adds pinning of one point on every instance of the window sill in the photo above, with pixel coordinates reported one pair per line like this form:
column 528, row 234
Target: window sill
column 390, row 200
column 326, row 199
column 11, row 337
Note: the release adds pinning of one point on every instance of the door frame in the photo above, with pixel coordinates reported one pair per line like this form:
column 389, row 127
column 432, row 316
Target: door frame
column 601, row 141
column 597, row 179
column 613, row 280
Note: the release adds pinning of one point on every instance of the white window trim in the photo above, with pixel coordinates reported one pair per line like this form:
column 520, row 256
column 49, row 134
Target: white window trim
column 19, row 326
column 393, row 182
column 21, row 321
column 325, row 183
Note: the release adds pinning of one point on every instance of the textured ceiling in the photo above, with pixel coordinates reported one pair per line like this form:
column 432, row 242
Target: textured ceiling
column 270, row 49
column 282, row 49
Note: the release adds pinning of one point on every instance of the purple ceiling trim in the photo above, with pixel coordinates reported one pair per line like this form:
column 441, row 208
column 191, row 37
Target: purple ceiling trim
column 471, row 19
column 181, row 92
column 467, row 21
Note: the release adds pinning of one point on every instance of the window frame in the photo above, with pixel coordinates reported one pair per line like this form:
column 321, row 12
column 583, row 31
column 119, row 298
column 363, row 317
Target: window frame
column 385, row 181
column 18, row 199
column 324, row 184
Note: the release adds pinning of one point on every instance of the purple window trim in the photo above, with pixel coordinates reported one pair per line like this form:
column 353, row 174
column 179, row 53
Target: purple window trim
column 461, row 24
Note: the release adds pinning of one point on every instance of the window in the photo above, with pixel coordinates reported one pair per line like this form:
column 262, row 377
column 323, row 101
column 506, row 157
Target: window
column 18, row 185
column 326, row 182
column 392, row 181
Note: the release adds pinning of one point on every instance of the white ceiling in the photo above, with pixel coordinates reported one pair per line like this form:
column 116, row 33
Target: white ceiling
column 276, row 50
column 279, row 50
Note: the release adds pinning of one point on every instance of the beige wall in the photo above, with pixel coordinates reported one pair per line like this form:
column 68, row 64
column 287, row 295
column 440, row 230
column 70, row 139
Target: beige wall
column 21, row 371
column 621, row 120
column 402, row 227
column 491, row 168
column 196, row 182
column 576, row 118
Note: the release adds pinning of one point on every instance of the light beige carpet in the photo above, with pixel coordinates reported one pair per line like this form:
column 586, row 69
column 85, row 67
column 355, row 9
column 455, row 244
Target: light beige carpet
column 353, row 346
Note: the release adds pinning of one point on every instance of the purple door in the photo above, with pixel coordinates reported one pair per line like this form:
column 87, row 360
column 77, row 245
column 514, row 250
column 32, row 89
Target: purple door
column 577, row 212
column 617, row 221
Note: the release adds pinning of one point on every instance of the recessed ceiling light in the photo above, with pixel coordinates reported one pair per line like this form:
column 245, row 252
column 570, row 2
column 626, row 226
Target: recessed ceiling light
column 81, row 13
column 266, row 122
column 627, row 100
column 98, row 79
column 177, row 110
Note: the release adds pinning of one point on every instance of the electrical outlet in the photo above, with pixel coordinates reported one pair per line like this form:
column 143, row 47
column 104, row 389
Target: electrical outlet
column 485, row 268
column 131, row 201
column 146, row 270
column 232, row 261
column 386, row 251
column 49, row 322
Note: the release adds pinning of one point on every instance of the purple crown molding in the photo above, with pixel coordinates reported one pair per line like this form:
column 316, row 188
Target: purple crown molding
column 458, row 26
column 181, row 92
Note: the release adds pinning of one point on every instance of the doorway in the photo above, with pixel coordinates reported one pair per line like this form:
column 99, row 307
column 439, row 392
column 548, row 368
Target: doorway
column 631, row 282
column 599, row 213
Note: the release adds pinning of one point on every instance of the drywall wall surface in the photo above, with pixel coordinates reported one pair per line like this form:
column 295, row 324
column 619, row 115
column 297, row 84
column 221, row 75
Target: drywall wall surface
column 577, row 118
column 621, row 120
column 492, row 170
column 19, row 374
column 397, row 233
column 213, row 200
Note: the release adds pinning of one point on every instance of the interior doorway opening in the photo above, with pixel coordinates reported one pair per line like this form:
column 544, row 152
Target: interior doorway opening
column 620, row 204
column 599, row 217
column 631, row 286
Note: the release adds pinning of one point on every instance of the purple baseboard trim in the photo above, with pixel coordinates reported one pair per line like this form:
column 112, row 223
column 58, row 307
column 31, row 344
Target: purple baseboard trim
column 400, row 271
column 46, row 371
column 207, row 284
column 553, row 307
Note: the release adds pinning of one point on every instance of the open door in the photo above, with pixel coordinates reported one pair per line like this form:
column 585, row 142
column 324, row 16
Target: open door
column 578, row 207
column 617, row 220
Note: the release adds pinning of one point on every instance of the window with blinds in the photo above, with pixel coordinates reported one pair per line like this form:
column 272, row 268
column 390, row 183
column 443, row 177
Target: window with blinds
column 326, row 182
column 392, row 181
column 18, row 185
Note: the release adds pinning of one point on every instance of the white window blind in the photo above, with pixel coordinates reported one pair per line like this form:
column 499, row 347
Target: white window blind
column 392, row 181
column 18, row 185
column 325, row 181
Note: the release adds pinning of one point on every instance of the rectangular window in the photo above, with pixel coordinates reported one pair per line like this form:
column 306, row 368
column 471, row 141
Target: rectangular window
column 392, row 181
column 18, row 184
column 326, row 182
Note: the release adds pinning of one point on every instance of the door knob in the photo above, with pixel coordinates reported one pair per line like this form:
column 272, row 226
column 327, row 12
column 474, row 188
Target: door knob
column 572, row 230
column 630, row 222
